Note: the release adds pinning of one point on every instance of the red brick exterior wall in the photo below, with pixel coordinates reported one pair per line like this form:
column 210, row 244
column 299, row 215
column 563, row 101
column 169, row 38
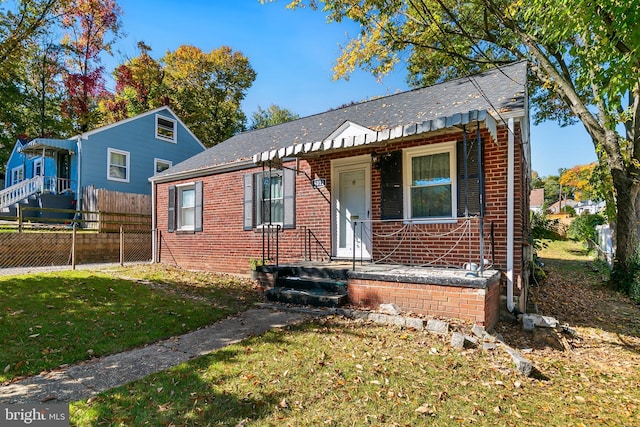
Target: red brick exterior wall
column 224, row 246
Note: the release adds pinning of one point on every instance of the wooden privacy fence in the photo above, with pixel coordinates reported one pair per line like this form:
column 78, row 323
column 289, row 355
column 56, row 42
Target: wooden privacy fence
column 105, row 210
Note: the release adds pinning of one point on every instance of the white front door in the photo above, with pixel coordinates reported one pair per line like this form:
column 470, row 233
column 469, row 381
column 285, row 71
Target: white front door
column 352, row 207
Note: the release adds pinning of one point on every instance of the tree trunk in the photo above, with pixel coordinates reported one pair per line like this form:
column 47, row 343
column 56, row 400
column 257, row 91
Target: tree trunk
column 627, row 230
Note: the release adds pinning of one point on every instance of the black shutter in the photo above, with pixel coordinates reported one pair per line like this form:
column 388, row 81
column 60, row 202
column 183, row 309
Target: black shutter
column 289, row 198
column 391, row 185
column 248, row 201
column 473, row 178
column 171, row 203
column 197, row 226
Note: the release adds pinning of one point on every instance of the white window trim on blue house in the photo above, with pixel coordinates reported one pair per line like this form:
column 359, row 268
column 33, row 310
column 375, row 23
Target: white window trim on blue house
column 37, row 167
column 409, row 154
column 157, row 162
column 165, row 132
column 17, row 174
column 126, row 167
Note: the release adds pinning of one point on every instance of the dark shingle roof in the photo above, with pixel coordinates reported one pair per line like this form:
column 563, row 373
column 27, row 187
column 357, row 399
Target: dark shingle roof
column 501, row 90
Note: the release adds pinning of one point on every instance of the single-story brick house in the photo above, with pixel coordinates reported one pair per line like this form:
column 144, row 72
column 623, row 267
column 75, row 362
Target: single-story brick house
column 421, row 198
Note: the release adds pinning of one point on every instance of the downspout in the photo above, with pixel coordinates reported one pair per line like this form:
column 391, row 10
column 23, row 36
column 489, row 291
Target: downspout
column 510, row 212
column 79, row 194
column 154, row 219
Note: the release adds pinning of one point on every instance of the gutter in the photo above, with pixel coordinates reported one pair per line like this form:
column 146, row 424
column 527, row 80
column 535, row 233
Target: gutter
column 216, row 169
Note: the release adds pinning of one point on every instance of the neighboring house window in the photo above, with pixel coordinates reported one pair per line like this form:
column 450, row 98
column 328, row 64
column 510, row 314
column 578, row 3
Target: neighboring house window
column 185, row 207
column 37, row 167
column 118, row 165
column 269, row 198
column 429, row 181
column 165, row 128
column 160, row 165
column 17, row 175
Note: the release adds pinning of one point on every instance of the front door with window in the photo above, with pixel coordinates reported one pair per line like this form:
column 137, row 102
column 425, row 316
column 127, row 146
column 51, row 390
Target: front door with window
column 352, row 207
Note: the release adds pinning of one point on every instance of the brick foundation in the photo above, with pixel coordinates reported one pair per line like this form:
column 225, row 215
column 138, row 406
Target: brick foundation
column 478, row 305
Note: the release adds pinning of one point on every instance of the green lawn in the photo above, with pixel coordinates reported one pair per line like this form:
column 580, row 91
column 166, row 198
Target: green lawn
column 47, row 320
column 341, row 372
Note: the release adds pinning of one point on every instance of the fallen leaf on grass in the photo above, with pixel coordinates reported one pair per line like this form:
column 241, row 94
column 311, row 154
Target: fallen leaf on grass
column 426, row 410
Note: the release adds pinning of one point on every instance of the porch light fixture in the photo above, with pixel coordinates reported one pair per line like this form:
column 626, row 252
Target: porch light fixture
column 375, row 160
column 378, row 159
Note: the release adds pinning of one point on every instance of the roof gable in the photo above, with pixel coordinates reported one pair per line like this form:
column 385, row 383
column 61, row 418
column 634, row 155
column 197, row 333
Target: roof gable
column 349, row 130
column 164, row 109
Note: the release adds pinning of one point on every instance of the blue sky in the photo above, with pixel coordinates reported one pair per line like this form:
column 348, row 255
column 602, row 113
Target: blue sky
column 293, row 53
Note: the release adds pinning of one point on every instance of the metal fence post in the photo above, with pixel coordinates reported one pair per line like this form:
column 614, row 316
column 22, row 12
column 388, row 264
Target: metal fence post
column 73, row 247
column 121, row 246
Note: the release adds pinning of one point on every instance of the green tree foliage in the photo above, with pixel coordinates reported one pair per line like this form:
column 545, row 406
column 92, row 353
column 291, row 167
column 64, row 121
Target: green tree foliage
column 21, row 24
column 583, row 227
column 273, row 115
column 583, row 57
column 204, row 89
column 43, row 92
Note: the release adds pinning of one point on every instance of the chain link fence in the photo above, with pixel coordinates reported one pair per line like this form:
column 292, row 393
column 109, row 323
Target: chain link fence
column 37, row 240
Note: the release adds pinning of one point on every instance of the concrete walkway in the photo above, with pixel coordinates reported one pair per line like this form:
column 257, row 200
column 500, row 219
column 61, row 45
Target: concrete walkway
column 88, row 378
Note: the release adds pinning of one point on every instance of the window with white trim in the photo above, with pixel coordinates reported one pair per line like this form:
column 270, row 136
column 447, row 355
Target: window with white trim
column 269, row 198
column 185, row 207
column 17, row 175
column 37, row 167
column 117, row 165
column 430, row 181
column 160, row 165
column 165, row 128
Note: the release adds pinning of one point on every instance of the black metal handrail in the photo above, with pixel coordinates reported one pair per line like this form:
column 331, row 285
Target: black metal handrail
column 308, row 236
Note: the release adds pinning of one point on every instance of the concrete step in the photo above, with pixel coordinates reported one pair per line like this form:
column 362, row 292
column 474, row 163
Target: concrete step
column 314, row 297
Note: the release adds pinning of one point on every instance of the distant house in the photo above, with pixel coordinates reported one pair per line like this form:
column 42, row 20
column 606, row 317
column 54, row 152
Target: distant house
column 418, row 199
column 560, row 206
column 589, row 206
column 536, row 200
column 118, row 157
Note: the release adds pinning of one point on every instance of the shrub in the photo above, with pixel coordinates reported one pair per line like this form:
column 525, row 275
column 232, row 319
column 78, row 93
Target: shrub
column 583, row 228
column 543, row 227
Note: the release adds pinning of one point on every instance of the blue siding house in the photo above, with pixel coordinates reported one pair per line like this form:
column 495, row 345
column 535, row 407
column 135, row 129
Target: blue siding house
column 118, row 157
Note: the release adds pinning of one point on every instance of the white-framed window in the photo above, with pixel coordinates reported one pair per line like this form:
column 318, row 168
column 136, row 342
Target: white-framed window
column 37, row 167
column 160, row 165
column 166, row 129
column 117, row 165
column 17, row 174
column 269, row 198
column 430, row 182
column 186, row 206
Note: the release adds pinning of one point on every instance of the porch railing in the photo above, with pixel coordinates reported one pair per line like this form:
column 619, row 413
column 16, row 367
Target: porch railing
column 57, row 185
column 456, row 244
column 313, row 249
column 20, row 191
